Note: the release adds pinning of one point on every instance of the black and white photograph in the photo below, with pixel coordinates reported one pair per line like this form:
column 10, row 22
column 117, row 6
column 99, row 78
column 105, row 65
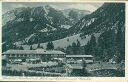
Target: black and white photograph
column 59, row 39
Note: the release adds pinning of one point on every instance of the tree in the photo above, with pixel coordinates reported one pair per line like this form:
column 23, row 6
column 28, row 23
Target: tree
column 78, row 47
column 107, row 39
column 42, row 47
column 38, row 46
column 105, row 54
column 99, row 53
column 120, row 42
column 4, row 47
column 87, row 48
column 11, row 46
column 50, row 46
column 92, row 45
column 14, row 46
column 74, row 48
column 84, row 65
column 21, row 48
column 93, row 41
column 31, row 47
column 78, row 43
column 69, row 50
column 4, row 62
column 60, row 49
column 67, row 39
column 107, row 45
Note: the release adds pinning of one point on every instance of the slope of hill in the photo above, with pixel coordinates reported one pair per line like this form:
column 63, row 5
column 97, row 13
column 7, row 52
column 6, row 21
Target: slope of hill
column 109, row 20
column 62, row 43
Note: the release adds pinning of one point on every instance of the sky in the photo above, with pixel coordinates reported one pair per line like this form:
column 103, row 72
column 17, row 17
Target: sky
column 7, row 6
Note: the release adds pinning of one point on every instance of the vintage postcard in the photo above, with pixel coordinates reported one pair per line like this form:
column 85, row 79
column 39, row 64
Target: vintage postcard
column 63, row 41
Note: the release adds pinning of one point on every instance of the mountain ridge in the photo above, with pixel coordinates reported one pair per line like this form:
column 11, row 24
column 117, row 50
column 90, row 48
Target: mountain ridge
column 37, row 21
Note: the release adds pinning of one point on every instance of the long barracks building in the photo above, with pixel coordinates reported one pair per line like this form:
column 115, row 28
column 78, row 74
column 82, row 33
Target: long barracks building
column 33, row 54
column 43, row 55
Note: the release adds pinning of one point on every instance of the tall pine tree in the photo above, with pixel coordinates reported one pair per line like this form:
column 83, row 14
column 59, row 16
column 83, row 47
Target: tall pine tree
column 74, row 48
column 38, row 46
column 31, row 47
column 21, row 48
column 50, row 46
column 120, row 42
column 79, row 51
column 92, row 45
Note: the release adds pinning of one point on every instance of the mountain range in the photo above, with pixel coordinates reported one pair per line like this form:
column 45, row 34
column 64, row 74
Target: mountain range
column 25, row 24
column 31, row 26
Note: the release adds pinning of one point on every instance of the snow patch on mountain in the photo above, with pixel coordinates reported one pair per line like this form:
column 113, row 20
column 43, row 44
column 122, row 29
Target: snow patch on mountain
column 65, row 26
column 48, row 28
column 9, row 16
column 46, row 10
column 90, row 21
column 44, row 30
column 30, row 37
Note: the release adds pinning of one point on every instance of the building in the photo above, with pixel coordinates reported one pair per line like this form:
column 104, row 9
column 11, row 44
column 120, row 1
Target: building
column 76, row 58
column 40, row 54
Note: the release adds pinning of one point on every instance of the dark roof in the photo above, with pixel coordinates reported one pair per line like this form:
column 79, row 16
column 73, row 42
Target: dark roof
column 79, row 56
column 37, row 51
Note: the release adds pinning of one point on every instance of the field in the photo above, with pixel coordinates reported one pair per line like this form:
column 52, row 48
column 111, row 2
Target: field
column 95, row 69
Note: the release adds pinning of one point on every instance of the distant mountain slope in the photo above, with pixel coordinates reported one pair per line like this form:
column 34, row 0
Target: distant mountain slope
column 108, row 16
column 35, row 13
column 35, row 25
column 74, row 14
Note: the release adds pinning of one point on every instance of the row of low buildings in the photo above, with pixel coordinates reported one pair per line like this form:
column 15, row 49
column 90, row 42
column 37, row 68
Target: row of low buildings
column 43, row 55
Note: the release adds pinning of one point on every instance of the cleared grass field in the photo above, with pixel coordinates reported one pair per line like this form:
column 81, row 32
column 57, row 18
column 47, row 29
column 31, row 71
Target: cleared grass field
column 25, row 66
